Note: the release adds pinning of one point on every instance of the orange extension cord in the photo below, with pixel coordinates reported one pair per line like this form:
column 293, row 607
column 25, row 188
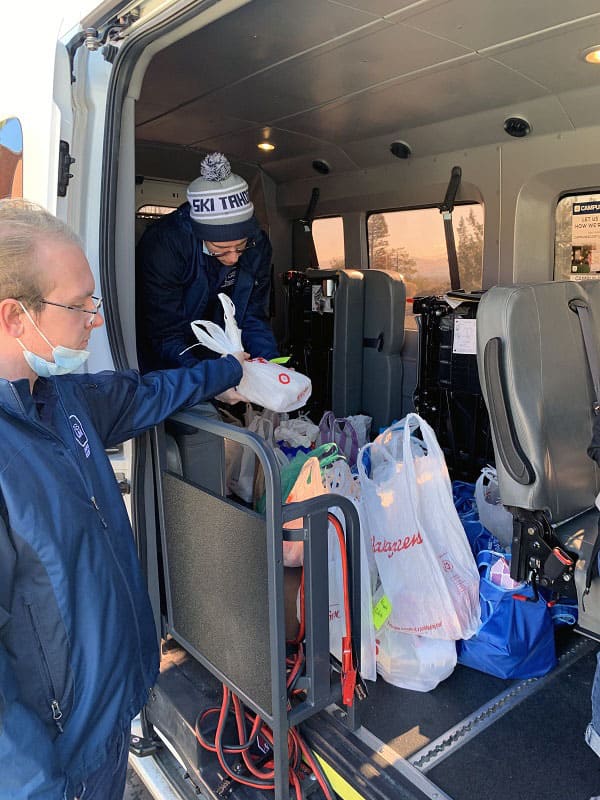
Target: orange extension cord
column 260, row 769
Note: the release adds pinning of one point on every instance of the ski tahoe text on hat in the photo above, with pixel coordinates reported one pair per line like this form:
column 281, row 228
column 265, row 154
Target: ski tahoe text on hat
column 220, row 205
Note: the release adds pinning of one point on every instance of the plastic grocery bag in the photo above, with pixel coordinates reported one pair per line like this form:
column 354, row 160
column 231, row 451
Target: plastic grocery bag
column 492, row 514
column 349, row 433
column 308, row 484
column 293, row 435
column 242, row 471
column 337, row 622
column 413, row 662
column 426, row 566
column 272, row 386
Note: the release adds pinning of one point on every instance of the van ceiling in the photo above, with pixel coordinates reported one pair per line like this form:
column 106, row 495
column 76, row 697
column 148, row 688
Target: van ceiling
column 340, row 80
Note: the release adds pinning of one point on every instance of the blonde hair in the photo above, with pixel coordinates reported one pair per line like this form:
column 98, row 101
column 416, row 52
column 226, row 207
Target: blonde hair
column 23, row 225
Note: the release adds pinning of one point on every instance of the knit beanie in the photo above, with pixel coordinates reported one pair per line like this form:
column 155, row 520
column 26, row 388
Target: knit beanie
column 219, row 203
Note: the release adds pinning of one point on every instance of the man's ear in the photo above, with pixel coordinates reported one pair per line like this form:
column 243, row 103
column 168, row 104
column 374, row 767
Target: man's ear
column 11, row 318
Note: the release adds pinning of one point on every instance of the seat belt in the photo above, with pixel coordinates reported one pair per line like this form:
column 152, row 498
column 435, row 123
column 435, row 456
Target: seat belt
column 304, row 253
column 581, row 308
column 446, row 212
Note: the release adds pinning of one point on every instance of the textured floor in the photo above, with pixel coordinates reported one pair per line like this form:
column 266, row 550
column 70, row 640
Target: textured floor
column 134, row 789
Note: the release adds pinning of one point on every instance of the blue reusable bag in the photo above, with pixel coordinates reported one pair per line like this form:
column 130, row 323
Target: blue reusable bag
column 516, row 638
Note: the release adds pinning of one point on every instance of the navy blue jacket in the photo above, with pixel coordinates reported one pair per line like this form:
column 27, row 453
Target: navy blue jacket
column 78, row 644
column 176, row 284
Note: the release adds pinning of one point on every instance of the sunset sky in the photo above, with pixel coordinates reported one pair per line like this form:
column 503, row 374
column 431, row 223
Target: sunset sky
column 420, row 231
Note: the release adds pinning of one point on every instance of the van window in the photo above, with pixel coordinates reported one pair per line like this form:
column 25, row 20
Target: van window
column 412, row 242
column 146, row 215
column 11, row 158
column 154, row 212
column 577, row 238
column 328, row 236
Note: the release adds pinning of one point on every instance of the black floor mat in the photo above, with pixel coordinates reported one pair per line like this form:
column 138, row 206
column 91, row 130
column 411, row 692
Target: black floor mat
column 537, row 750
column 407, row 720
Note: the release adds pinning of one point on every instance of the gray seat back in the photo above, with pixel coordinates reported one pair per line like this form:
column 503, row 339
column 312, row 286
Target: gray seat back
column 538, row 390
column 383, row 339
column 347, row 373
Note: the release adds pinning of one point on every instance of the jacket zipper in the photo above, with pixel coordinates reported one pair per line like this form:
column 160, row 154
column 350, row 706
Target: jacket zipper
column 97, row 507
column 55, row 708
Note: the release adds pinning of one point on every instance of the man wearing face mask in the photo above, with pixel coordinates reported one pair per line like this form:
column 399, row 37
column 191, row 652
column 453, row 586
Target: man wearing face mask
column 211, row 244
column 78, row 645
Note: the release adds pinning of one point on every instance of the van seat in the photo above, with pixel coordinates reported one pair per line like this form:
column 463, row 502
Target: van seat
column 539, row 393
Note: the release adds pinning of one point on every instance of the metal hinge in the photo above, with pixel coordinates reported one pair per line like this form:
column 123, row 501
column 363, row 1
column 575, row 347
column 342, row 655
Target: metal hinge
column 141, row 747
column 111, row 32
column 65, row 159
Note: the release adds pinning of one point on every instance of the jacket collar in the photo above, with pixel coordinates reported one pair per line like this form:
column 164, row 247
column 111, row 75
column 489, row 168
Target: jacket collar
column 16, row 397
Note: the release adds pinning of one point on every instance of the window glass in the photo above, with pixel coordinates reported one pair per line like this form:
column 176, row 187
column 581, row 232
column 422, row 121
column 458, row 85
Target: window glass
column 11, row 158
column 577, row 238
column 328, row 236
column 154, row 212
column 146, row 215
column 412, row 242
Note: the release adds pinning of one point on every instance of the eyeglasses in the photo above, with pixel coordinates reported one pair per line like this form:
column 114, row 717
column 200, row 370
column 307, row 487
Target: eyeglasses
column 97, row 301
column 238, row 250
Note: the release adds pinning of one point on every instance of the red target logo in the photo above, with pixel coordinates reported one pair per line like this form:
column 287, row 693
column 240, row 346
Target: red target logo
column 283, row 378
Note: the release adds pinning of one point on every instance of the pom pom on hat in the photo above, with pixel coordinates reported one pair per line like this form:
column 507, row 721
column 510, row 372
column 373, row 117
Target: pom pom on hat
column 215, row 167
column 220, row 206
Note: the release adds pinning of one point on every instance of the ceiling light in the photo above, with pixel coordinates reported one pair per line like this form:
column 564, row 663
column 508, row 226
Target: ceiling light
column 592, row 54
column 266, row 146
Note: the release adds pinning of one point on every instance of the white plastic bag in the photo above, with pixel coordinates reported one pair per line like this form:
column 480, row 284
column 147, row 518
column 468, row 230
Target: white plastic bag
column 309, row 484
column 242, row 473
column 300, row 432
column 413, row 662
column 337, row 622
column 426, row 566
column 272, row 386
column 492, row 514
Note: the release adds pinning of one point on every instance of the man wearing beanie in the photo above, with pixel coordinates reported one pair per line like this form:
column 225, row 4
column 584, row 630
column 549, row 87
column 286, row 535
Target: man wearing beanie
column 211, row 244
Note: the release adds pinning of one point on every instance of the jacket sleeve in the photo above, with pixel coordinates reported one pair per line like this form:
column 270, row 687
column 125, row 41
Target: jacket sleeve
column 257, row 334
column 125, row 404
column 163, row 266
column 28, row 763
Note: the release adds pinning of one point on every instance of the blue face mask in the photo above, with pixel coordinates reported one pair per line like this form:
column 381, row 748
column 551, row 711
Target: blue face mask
column 65, row 359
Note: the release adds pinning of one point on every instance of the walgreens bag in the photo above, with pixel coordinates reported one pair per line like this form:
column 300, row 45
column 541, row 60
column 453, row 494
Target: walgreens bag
column 516, row 638
column 424, row 560
column 272, row 386
column 413, row 662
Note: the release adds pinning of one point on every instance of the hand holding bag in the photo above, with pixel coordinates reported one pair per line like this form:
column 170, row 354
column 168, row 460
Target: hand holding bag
column 272, row 386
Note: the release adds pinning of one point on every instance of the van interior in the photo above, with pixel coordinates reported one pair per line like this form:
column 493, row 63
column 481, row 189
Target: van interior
column 343, row 113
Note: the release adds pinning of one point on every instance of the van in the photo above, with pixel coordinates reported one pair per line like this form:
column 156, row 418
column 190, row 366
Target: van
column 374, row 135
